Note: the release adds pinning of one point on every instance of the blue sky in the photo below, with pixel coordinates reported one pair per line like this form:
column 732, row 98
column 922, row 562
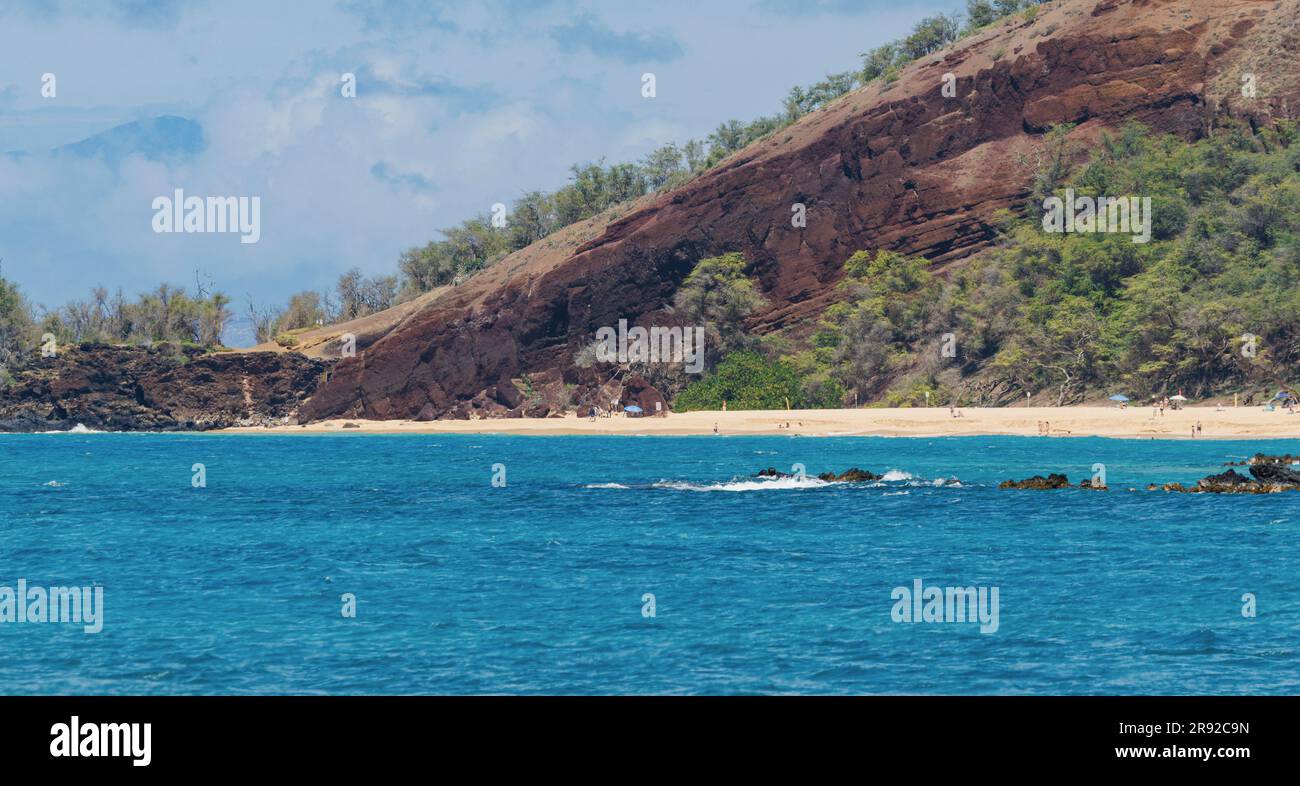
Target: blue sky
column 459, row 106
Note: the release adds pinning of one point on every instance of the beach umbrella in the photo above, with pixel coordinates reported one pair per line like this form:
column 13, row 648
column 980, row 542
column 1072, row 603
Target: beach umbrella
column 633, row 408
column 1282, row 394
column 1179, row 397
column 1119, row 397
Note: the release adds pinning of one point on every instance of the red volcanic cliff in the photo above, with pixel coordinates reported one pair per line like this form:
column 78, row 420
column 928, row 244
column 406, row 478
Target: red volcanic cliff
column 895, row 166
column 164, row 388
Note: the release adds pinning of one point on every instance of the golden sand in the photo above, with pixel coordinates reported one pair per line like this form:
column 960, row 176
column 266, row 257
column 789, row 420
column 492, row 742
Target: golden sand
column 1133, row 422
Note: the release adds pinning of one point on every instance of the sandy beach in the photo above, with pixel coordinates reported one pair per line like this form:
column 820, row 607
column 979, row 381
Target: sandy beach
column 1084, row 421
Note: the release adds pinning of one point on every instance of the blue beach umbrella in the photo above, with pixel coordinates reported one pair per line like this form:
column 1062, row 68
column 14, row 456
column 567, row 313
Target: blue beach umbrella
column 633, row 408
column 1119, row 397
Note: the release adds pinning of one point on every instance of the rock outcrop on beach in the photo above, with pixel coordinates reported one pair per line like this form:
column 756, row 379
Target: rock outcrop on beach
column 894, row 166
column 165, row 388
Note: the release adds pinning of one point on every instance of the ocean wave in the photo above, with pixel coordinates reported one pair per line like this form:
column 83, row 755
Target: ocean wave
column 763, row 484
column 604, row 486
column 892, row 479
column 897, row 476
column 77, row 429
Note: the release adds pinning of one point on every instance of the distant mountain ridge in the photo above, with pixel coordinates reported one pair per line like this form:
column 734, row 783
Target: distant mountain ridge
column 167, row 139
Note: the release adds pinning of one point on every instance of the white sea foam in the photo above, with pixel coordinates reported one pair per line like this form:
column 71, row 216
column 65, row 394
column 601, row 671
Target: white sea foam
column 77, row 429
column 763, row 484
column 604, row 486
column 890, row 480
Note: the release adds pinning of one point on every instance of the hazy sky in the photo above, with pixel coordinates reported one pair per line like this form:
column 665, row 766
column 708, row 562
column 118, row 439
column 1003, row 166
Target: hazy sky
column 459, row 105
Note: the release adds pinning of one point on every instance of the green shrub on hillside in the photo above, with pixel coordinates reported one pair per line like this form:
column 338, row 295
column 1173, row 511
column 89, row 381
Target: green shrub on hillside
column 745, row 380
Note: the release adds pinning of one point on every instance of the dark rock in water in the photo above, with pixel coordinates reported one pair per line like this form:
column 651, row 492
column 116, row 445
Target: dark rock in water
column 1275, row 473
column 164, row 388
column 1052, row 481
column 1229, row 479
column 1089, row 485
column 853, row 475
column 1268, row 479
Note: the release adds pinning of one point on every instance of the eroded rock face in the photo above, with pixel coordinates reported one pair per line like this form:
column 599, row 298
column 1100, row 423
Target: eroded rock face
column 161, row 389
column 893, row 166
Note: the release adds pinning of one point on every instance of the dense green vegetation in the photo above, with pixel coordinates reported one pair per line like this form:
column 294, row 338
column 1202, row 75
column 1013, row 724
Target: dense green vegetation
column 748, row 380
column 165, row 314
column 719, row 296
column 15, row 326
column 1068, row 316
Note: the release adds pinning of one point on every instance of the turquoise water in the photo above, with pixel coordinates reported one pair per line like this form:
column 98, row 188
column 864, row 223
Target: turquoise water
column 537, row 587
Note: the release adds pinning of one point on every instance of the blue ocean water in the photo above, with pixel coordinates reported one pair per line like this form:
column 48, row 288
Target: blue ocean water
column 537, row 587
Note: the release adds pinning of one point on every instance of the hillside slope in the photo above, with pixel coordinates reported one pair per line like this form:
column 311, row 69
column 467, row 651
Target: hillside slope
column 894, row 166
